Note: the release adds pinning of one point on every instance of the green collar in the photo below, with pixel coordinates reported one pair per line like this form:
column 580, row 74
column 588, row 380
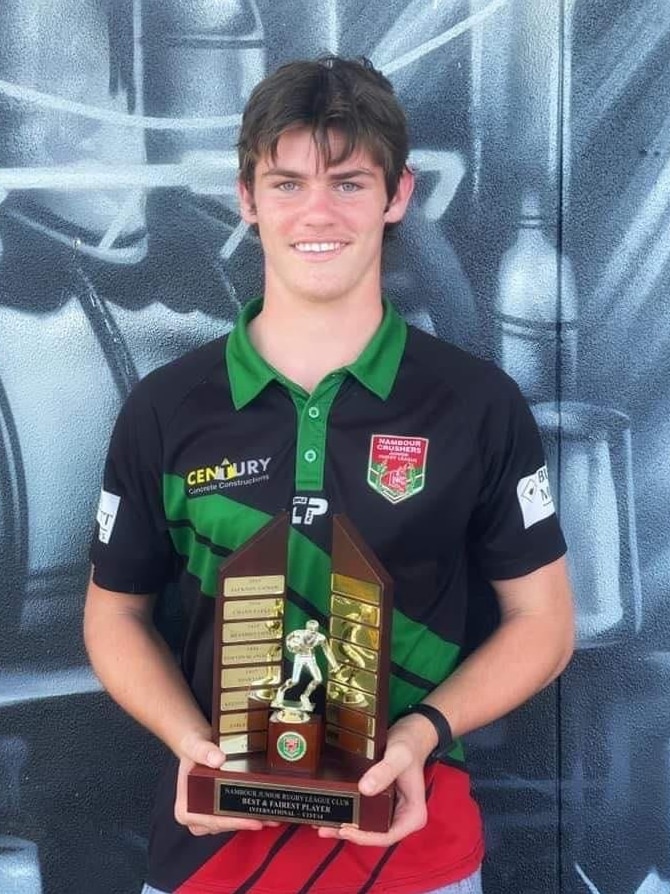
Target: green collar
column 376, row 367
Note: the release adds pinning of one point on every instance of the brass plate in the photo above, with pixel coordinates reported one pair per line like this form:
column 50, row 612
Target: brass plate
column 252, row 653
column 252, row 609
column 245, row 722
column 257, row 677
column 244, row 743
column 290, row 803
column 364, row 590
column 368, row 637
column 354, row 676
column 347, row 718
column 350, row 742
column 354, row 610
column 351, row 653
column 259, row 585
column 351, row 698
column 252, row 631
column 246, row 699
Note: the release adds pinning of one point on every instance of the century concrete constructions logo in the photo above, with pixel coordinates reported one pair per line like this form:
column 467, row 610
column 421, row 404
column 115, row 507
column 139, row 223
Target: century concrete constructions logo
column 226, row 474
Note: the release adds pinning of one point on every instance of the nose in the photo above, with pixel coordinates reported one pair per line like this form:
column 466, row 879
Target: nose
column 318, row 208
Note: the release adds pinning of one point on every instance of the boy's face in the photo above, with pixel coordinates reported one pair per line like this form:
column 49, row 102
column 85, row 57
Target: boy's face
column 321, row 229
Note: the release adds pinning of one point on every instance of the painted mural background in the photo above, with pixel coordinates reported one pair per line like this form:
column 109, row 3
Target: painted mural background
column 540, row 236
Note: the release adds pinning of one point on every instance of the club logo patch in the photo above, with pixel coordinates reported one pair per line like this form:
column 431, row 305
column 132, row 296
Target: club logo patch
column 291, row 746
column 397, row 466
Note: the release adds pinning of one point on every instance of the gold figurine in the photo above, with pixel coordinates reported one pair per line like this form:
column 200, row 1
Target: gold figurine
column 302, row 644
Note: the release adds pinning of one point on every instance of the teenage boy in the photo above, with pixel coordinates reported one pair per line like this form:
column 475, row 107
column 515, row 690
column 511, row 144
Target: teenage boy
column 322, row 400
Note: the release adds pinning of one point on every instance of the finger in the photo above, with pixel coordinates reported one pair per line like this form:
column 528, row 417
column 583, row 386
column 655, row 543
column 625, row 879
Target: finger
column 201, row 751
column 196, row 746
column 196, row 829
column 407, row 820
column 327, row 831
column 366, row 839
column 202, row 825
column 181, row 797
column 411, row 790
column 377, row 778
column 409, row 816
column 386, row 771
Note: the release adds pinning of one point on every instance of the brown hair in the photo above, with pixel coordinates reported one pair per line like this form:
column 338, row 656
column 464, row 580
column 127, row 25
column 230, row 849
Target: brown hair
column 327, row 94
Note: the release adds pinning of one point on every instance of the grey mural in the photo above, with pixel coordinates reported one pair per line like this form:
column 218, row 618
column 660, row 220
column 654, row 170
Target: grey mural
column 540, row 237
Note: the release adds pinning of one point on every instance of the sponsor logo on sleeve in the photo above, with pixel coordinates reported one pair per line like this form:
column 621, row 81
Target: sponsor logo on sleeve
column 397, row 466
column 534, row 496
column 106, row 517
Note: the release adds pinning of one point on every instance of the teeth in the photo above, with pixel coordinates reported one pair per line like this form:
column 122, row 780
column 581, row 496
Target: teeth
column 318, row 246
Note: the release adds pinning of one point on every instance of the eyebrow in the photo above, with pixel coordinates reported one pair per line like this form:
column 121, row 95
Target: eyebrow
column 296, row 175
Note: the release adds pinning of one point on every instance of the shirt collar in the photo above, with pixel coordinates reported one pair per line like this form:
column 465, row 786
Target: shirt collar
column 376, row 367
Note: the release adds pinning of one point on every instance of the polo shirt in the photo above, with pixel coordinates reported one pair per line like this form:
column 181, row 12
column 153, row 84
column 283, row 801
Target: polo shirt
column 435, row 458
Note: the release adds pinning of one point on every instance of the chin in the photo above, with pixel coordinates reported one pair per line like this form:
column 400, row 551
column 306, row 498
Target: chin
column 323, row 297
column 320, row 294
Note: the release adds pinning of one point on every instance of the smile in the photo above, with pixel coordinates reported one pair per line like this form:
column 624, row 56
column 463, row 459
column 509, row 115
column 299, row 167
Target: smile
column 318, row 247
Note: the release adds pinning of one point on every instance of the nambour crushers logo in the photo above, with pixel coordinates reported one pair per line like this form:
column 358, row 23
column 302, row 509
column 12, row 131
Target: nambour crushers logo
column 291, row 746
column 397, row 466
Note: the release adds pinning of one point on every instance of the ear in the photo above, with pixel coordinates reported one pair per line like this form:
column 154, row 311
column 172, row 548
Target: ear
column 395, row 210
column 247, row 204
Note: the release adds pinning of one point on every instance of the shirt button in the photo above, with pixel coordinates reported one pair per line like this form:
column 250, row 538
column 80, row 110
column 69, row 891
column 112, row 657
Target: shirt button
column 313, row 413
column 310, row 456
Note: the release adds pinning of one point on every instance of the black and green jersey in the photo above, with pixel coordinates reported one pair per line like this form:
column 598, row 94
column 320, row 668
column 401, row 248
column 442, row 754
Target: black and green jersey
column 431, row 453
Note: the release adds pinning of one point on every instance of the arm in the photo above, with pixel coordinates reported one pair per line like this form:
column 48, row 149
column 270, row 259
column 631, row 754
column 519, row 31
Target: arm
column 136, row 667
column 531, row 647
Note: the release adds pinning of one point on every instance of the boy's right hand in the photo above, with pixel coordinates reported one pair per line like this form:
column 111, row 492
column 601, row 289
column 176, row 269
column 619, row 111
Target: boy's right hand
column 198, row 750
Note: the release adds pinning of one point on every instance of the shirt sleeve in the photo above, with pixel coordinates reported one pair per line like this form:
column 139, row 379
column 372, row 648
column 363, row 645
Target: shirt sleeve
column 513, row 529
column 131, row 549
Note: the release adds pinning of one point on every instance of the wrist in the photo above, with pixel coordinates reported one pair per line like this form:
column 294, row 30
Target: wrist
column 436, row 742
column 417, row 733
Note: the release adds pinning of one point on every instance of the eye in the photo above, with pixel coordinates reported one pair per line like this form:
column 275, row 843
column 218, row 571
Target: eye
column 287, row 186
column 349, row 186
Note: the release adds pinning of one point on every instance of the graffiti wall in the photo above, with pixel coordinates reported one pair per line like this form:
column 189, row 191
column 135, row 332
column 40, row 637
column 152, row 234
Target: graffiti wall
column 540, row 236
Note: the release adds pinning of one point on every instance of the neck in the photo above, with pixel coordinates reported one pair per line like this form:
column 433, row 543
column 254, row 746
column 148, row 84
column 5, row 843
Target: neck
column 306, row 340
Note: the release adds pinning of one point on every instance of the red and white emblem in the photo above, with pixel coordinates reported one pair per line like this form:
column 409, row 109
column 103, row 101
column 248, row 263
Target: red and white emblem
column 291, row 746
column 397, row 466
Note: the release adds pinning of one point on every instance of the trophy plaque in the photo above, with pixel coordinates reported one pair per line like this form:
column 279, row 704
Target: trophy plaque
column 284, row 761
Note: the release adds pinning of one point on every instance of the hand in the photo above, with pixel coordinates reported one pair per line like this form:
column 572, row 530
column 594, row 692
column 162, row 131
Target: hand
column 408, row 745
column 196, row 749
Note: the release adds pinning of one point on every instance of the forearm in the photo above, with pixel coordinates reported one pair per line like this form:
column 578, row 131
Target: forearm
column 136, row 667
column 530, row 648
column 509, row 668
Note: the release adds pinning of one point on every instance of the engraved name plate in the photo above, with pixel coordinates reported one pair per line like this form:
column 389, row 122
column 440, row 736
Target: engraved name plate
column 283, row 802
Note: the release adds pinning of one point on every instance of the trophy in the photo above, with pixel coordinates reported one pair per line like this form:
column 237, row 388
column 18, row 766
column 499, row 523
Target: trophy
column 285, row 760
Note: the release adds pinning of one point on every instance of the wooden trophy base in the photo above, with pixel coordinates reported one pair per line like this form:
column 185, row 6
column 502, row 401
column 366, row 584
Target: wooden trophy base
column 294, row 741
column 247, row 787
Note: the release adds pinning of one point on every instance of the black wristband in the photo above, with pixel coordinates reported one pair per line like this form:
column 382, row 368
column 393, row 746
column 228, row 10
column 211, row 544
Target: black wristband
column 441, row 724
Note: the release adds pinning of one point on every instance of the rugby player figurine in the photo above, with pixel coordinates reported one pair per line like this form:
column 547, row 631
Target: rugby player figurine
column 302, row 644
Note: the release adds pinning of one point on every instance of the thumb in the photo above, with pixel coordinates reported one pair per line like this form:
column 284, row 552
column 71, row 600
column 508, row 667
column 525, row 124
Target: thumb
column 378, row 777
column 397, row 758
column 202, row 751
